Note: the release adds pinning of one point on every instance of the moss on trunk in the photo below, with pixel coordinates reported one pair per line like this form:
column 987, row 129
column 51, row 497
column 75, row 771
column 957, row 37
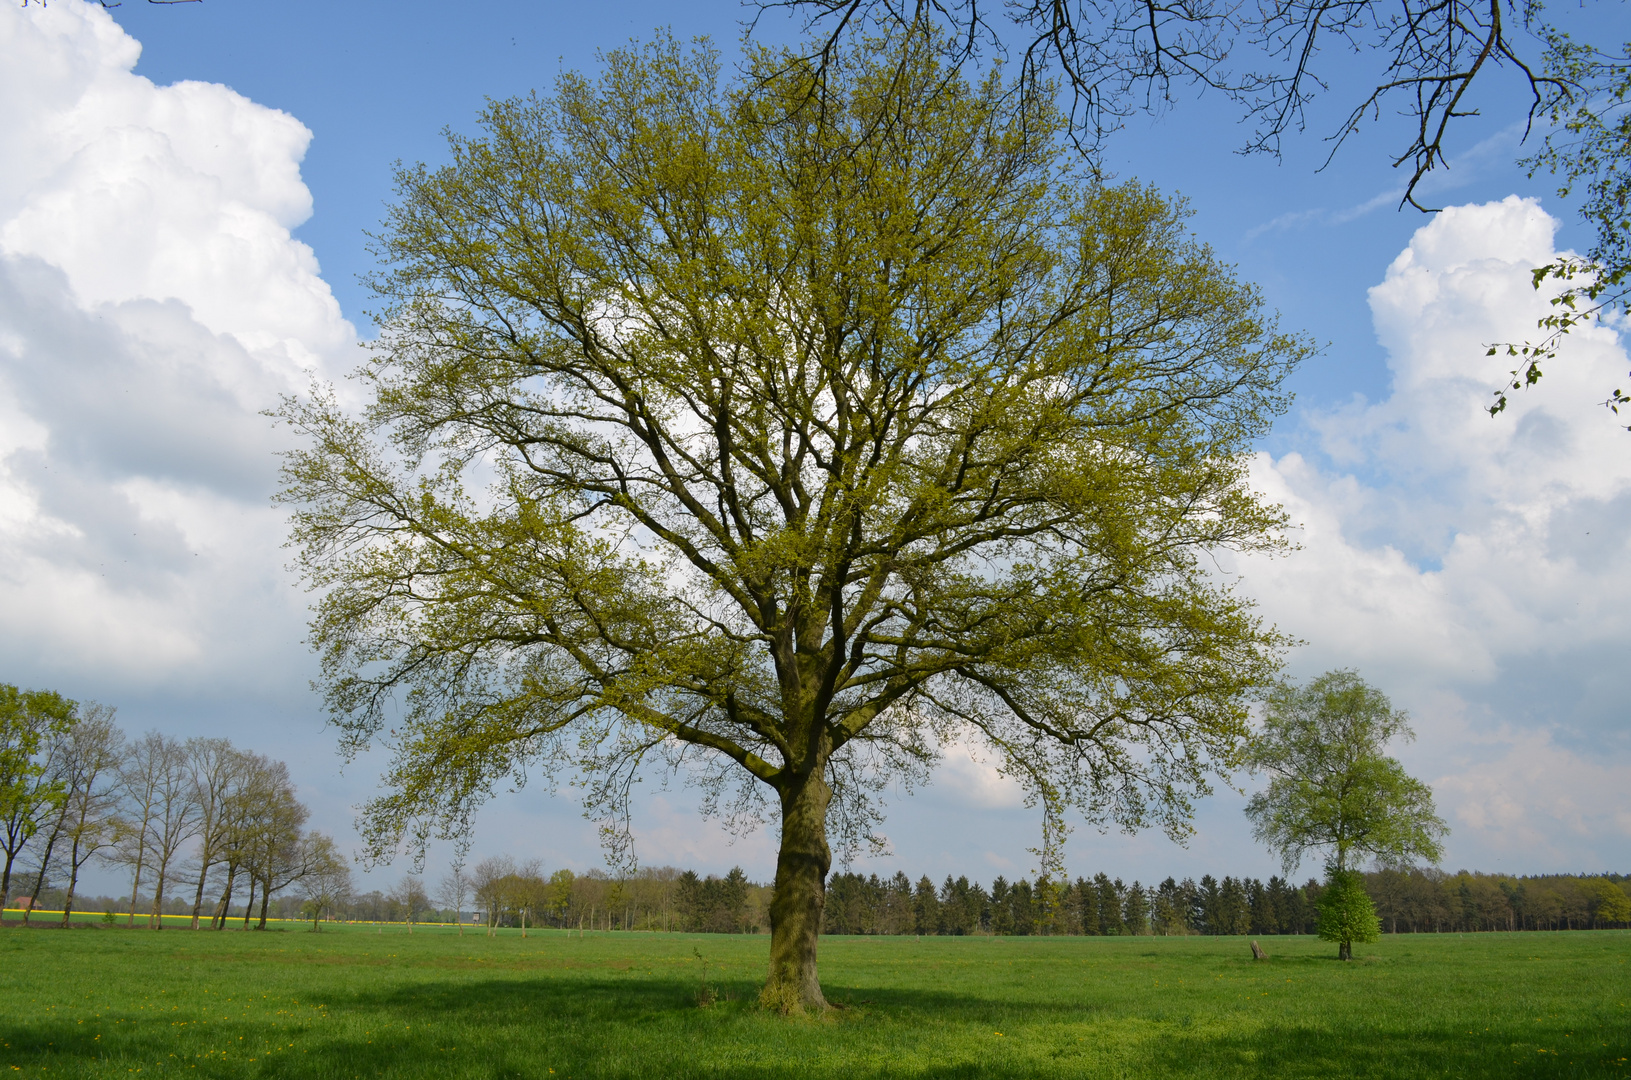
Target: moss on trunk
column 800, row 894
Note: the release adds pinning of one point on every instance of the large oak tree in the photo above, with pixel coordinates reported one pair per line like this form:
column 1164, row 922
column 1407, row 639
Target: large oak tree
column 782, row 429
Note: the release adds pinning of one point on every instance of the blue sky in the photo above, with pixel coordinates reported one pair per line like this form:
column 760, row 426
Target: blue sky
column 156, row 295
column 377, row 83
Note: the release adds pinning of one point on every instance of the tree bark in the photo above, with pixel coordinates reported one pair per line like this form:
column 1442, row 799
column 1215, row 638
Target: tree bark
column 198, row 898
column 135, row 889
column 218, row 921
column 800, row 895
column 73, row 881
column 157, row 920
column 1345, row 950
column 39, row 881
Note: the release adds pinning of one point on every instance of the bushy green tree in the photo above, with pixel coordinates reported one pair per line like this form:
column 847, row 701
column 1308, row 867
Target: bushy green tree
column 1346, row 914
column 560, row 894
column 29, row 793
column 1332, row 789
column 781, row 431
column 1609, row 902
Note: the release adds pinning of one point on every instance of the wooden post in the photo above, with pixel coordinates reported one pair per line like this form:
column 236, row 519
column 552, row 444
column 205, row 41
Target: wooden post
column 1258, row 953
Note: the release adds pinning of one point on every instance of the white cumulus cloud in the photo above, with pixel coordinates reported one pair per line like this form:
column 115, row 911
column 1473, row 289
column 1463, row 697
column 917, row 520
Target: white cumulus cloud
column 1474, row 567
column 152, row 303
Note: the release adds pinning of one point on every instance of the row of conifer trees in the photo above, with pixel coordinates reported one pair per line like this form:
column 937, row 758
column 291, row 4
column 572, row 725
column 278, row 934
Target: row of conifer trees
column 665, row 898
column 1405, row 901
column 1088, row 906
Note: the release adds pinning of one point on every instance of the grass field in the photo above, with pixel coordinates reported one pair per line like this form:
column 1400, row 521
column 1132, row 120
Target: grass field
column 356, row 1003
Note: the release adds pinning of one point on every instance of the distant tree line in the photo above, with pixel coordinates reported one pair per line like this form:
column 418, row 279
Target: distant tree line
column 507, row 893
column 1088, row 906
column 504, row 893
column 211, row 831
column 199, row 816
column 1407, row 901
column 1425, row 901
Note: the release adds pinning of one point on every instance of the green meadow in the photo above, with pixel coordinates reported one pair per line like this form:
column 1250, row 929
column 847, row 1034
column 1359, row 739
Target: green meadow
column 356, row 1002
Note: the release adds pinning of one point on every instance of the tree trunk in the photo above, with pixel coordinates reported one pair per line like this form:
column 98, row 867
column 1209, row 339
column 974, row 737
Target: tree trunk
column 198, row 900
column 135, row 888
column 266, row 899
column 157, row 921
column 799, row 896
column 249, row 905
column 39, row 881
column 219, row 920
column 73, row 882
column 1345, row 950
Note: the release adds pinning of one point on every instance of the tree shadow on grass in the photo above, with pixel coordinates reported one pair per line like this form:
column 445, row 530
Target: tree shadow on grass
column 1293, row 1051
column 590, row 1026
column 593, row 1026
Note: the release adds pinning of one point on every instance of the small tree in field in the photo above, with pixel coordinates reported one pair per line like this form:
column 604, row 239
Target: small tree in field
column 558, row 897
column 1346, row 913
column 783, row 432
column 410, row 894
column 326, row 885
column 486, row 885
column 1332, row 789
column 90, row 816
column 453, row 891
column 528, row 893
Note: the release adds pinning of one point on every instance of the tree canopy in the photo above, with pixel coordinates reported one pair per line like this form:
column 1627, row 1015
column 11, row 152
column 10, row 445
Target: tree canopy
column 783, row 430
column 1347, row 914
column 1331, row 787
column 30, row 722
